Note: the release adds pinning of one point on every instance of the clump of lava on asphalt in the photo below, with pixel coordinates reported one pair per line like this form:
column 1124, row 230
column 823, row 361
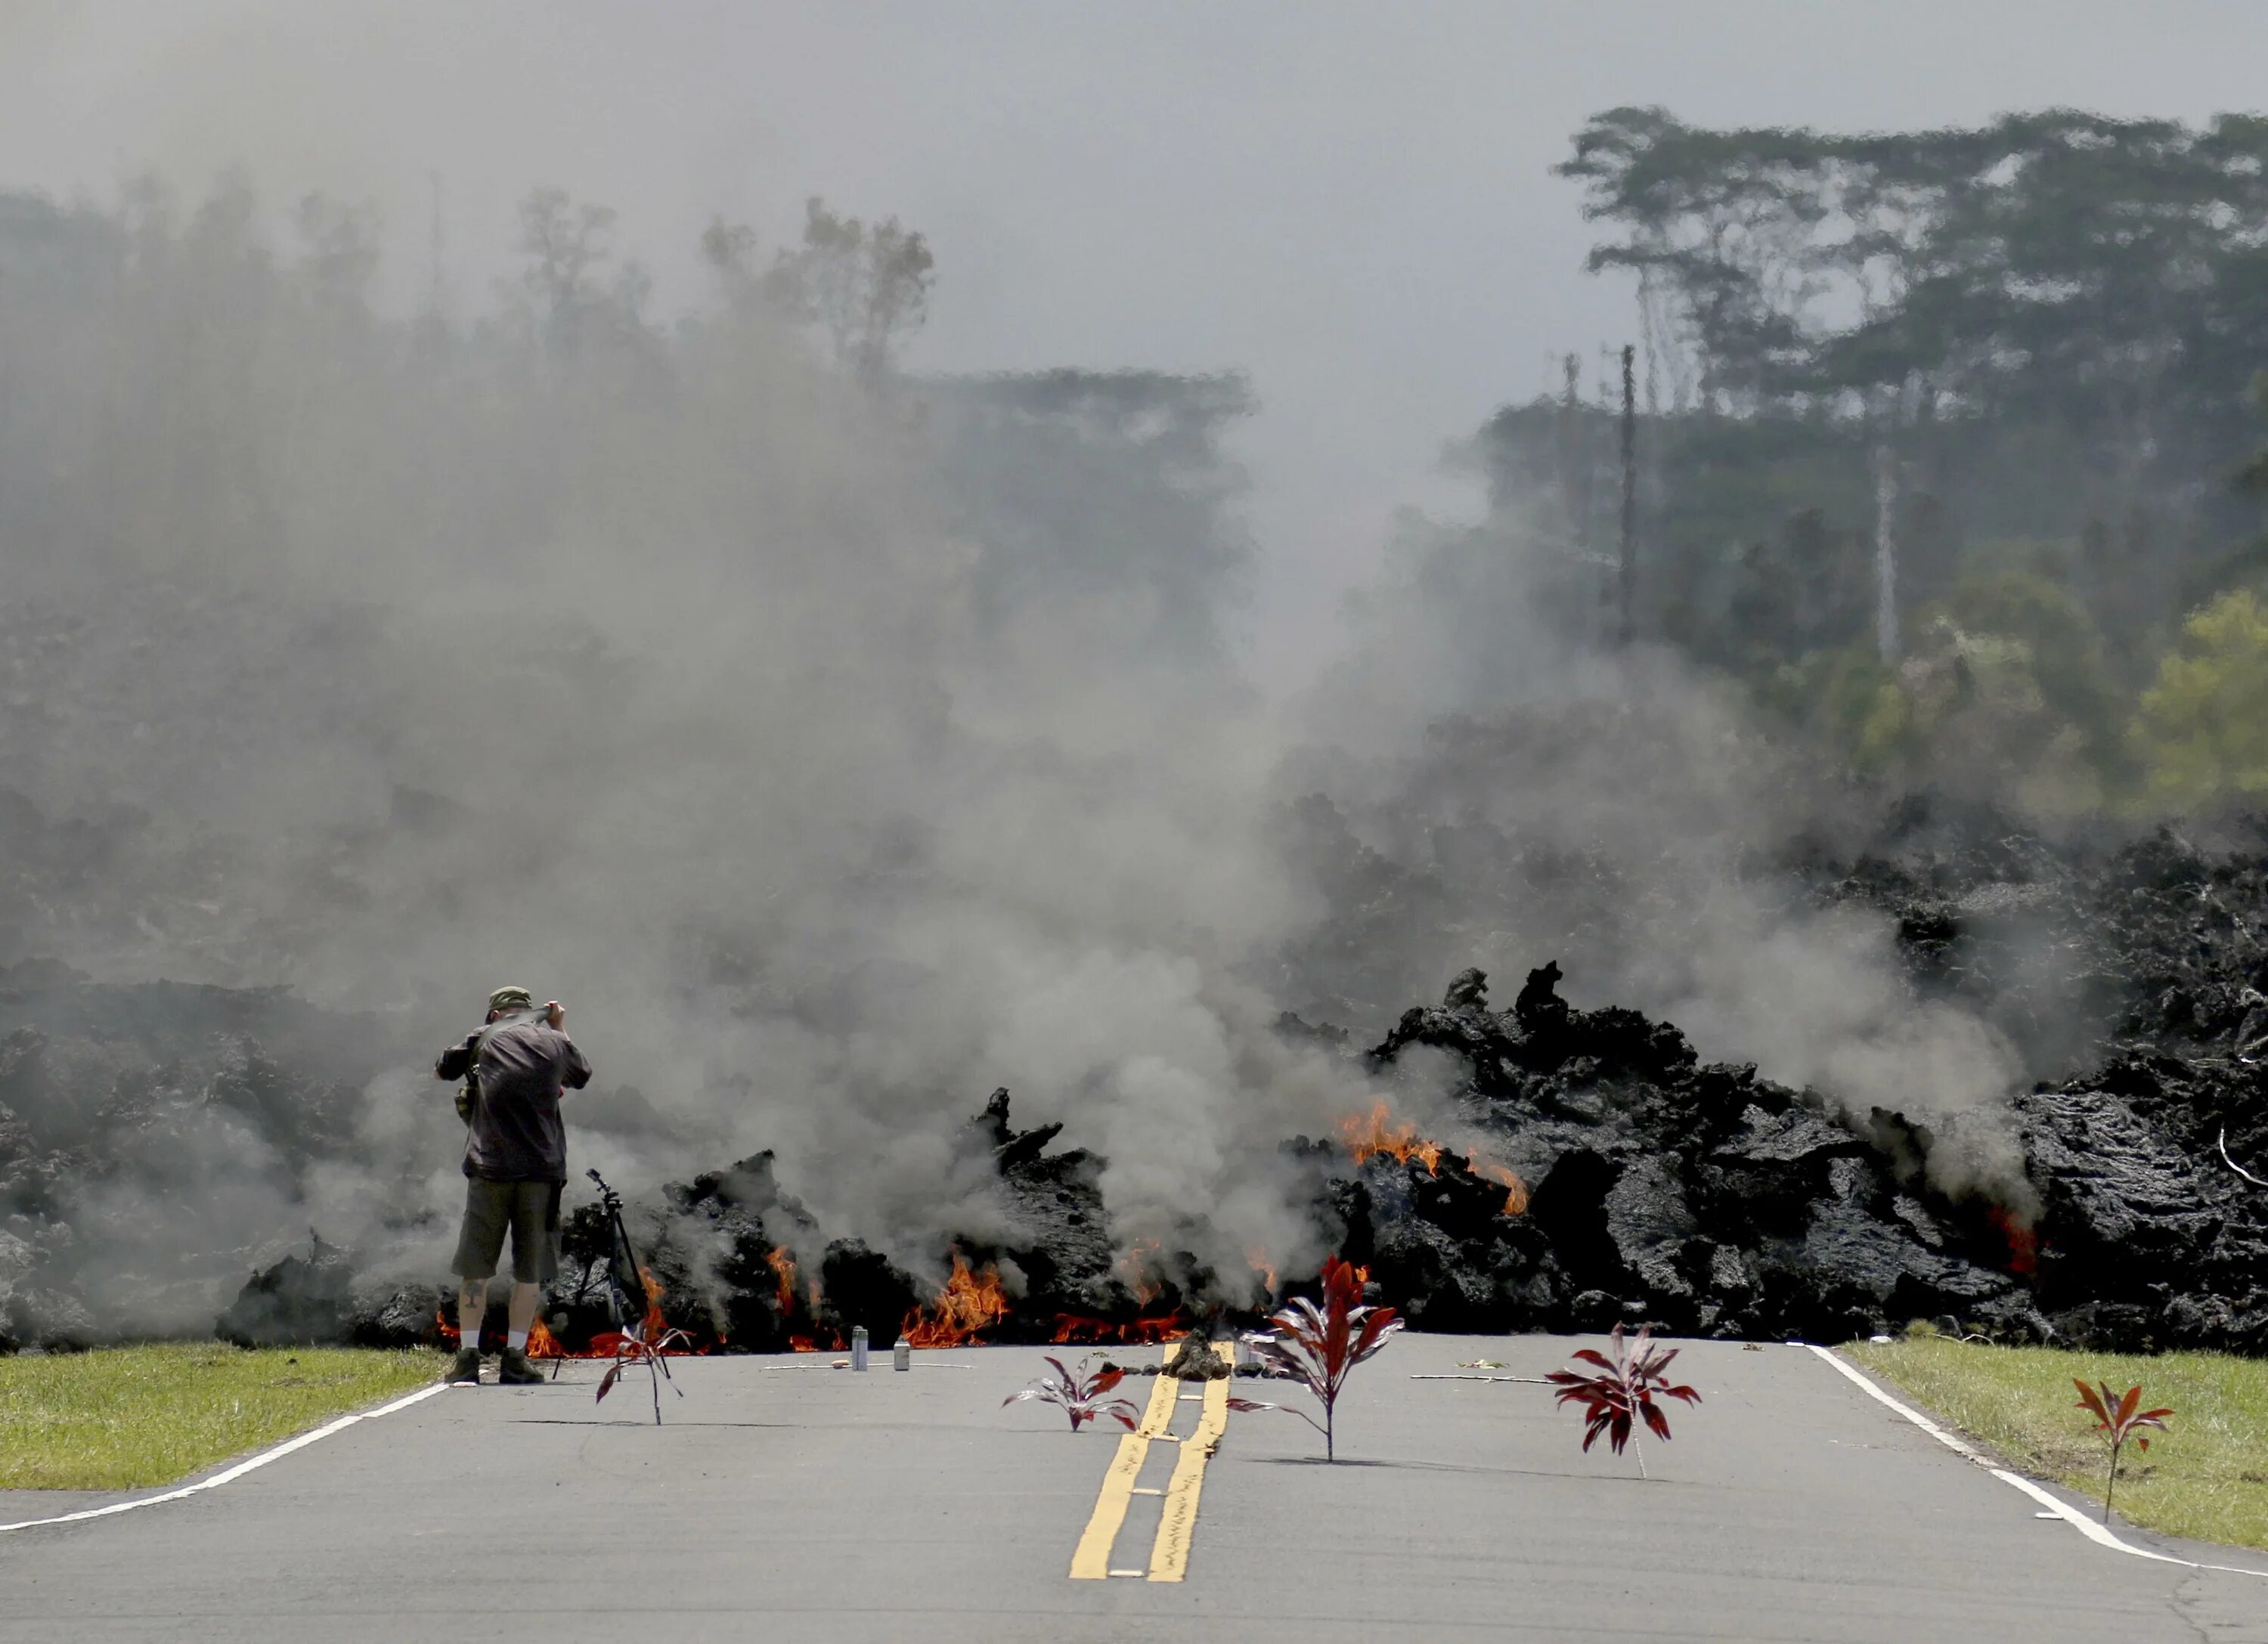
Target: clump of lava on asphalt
column 602, row 1344
column 1622, row 1179
column 1602, row 1173
column 971, row 1303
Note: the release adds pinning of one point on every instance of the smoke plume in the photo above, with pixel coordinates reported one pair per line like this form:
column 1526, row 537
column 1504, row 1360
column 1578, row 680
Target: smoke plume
column 804, row 730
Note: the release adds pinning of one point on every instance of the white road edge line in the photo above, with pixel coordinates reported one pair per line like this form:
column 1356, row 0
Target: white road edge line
column 240, row 1469
column 2099, row 1534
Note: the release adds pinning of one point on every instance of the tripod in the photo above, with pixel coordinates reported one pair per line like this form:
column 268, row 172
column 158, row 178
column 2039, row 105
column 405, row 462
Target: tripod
column 626, row 1293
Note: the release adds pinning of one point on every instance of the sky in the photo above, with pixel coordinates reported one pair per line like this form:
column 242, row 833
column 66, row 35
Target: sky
column 1351, row 203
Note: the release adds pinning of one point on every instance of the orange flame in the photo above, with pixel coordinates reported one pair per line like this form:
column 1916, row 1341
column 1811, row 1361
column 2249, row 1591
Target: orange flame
column 653, row 1324
column 1515, row 1191
column 2023, row 1241
column 1257, row 1260
column 970, row 1301
column 1138, row 1268
column 783, row 1267
column 1375, row 1132
column 1076, row 1329
column 541, row 1344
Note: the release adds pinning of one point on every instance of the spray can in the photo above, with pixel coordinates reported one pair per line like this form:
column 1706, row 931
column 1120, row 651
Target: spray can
column 857, row 1346
column 901, row 1356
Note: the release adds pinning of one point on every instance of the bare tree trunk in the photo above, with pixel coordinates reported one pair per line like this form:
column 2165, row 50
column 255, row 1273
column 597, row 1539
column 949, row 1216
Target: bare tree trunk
column 1630, row 496
column 1886, row 559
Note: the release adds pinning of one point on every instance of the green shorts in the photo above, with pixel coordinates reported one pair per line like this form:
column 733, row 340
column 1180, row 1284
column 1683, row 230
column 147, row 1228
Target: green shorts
column 530, row 1209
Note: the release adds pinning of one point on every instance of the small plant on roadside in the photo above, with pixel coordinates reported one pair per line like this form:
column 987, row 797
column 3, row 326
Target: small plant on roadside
column 1630, row 1382
column 1321, row 1346
column 2117, row 1420
column 634, row 1351
column 1079, row 1395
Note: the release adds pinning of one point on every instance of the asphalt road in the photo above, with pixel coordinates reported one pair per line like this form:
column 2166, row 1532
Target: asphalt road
column 784, row 1499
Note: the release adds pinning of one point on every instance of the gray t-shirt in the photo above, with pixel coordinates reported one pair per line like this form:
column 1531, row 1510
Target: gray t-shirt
column 524, row 1063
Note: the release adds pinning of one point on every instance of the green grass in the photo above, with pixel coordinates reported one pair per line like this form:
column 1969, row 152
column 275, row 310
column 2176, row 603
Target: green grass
column 2205, row 1479
column 123, row 1418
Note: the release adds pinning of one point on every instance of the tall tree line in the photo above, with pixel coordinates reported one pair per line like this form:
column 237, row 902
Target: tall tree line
column 213, row 387
column 2020, row 356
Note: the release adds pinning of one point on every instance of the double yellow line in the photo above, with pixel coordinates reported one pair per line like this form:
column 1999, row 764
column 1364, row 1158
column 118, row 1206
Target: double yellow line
column 1169, row 1554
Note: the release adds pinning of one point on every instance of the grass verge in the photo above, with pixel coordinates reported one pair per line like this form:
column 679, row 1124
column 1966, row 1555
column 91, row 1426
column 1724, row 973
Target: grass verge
column 2206, row 1478
column 125, row 1418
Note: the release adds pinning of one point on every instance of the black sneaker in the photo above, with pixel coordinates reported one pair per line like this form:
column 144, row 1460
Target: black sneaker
column 514, row 1371
column 466, row 1370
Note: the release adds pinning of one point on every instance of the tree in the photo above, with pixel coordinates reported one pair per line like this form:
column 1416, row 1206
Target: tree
column 867, row 287
column 730, row 250
column 572, row 290
column 2202, row 733
column 1101, row 487
column 2046, row 255
column 2050, row 320
column 340, row 248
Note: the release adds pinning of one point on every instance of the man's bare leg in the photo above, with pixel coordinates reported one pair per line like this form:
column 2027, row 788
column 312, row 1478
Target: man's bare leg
column 526, row 1298
column 515, row 1371
column 471, row 1307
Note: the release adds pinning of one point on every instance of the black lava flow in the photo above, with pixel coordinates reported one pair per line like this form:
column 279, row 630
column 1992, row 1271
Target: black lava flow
column 1698, row 1197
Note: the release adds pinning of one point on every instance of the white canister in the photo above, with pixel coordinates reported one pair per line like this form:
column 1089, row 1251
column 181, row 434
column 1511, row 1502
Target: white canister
column 901, row 1356
column 857, row 1346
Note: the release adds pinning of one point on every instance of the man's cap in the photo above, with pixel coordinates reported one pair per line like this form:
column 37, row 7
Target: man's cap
column 511, row 999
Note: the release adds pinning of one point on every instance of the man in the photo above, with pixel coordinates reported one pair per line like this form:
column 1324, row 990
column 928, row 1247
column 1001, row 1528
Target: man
column 516, row 1069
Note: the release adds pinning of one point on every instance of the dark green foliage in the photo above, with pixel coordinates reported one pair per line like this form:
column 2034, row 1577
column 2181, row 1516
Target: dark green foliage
column 1967, row 270
column 2047, row 329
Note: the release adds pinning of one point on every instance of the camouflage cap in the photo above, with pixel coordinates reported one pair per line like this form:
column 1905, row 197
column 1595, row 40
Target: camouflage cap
column 511, row 999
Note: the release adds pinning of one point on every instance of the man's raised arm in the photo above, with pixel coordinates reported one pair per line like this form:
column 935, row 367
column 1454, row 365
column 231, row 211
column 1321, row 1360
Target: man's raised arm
column 457, row 1060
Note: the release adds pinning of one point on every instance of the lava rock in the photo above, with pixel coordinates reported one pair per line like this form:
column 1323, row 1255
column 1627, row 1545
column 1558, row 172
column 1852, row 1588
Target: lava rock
column 302, row 1301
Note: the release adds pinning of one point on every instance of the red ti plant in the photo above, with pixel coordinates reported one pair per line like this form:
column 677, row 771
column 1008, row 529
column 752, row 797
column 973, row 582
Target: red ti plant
column 1632, row 1379
column 1321, row 1346
column 2116, row 1419
column 633, row 1350
column 1079, row 1395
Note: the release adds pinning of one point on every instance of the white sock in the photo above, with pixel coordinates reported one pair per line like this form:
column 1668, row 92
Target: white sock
column 468, row 1340
column 516, row 1341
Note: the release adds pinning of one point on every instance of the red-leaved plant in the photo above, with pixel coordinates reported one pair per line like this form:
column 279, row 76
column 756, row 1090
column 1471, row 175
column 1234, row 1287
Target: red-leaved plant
column 633, row 1351
column 1321, row 1346
column 1079, row 1395
column 2116, row 1419
column 1632, row 1379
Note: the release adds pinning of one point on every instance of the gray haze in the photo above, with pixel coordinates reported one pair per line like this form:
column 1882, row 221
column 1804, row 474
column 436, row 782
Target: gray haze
column 647, row 663
column 1351, row 202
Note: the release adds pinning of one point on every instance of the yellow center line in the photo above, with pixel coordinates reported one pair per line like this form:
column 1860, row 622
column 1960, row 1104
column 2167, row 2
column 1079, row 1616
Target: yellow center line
column 1177, row 1523
column 1091, row 1561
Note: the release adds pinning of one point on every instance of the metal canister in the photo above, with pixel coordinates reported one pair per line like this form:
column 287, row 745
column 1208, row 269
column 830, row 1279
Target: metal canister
column 857, row 1346
column 901, row 1356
